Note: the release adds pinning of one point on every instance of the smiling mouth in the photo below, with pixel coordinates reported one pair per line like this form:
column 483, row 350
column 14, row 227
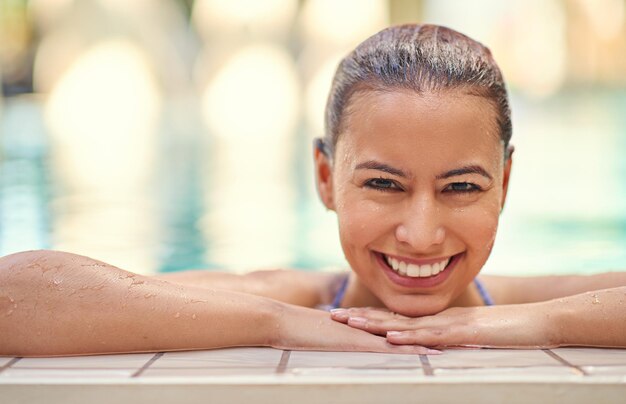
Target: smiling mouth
column 412, row 270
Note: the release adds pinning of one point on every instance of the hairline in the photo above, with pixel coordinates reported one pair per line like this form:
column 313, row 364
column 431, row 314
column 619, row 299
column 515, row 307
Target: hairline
column 376, row 86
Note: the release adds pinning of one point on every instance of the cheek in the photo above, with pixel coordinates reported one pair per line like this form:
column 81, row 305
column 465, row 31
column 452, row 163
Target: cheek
column 359, row 221
column 478, row 228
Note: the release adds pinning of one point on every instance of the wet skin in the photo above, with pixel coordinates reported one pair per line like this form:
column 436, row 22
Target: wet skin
column 393, row 184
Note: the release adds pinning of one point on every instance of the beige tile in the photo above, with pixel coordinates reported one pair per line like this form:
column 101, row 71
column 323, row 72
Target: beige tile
column 302, row 359
column 619, row 370
column 231, row 372
column 228, row 357
column 592, row 356
column 489, row 358
column 517, row 373
column 4, row 360
column 352, row 373
column 128, row 361
column 66, row 373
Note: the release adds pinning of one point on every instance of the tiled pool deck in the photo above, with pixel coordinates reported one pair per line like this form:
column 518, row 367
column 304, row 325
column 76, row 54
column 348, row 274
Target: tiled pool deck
column 265, row 375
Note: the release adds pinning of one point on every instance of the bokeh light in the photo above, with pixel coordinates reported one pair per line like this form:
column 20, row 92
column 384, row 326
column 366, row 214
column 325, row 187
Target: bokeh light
column 160, row 135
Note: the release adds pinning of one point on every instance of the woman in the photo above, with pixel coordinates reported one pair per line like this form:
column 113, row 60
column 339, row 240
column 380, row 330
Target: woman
column 416, row 163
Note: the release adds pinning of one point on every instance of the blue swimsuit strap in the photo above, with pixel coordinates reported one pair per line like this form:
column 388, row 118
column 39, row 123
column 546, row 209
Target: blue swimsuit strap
column 340, row 293
column 344, row 285
column 483, row 293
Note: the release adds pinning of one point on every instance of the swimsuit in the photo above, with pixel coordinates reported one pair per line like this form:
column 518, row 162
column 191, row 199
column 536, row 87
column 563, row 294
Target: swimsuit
column 483, row 293
column 344, row 285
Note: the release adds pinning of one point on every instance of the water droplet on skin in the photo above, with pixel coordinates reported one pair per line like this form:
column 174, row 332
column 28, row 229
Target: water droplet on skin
column 176, row 315
column 198, row 301
column 149, row 295
column 11, row 299
column 595, row 299
column 193, row 316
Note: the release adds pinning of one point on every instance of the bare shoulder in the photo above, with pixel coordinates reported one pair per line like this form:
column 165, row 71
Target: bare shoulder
column 306, row 288
column 303, row 288
column 530, row 289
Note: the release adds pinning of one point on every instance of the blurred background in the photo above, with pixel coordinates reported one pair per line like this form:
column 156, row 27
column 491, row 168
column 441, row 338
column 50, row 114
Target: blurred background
column 160, row 135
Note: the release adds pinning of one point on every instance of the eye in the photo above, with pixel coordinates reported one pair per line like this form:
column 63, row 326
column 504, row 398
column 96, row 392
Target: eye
column 382, row 184
column 462, row 187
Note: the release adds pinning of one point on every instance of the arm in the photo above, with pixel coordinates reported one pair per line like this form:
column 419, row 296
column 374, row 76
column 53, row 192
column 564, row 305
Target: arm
column 589, row 319
column 308, row 289
column 530, row 289
column 54, row 303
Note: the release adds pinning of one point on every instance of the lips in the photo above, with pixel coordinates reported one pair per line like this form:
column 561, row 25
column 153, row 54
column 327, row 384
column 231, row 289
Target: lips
column 409, row 274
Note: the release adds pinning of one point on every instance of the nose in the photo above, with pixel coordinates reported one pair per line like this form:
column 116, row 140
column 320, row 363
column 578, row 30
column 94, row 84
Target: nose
column 421, row 226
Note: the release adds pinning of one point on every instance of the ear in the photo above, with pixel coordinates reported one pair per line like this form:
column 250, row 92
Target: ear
column 507, row 174
column 324, row 177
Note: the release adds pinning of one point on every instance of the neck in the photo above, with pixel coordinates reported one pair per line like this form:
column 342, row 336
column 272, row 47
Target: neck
column 469, row 298
column 358, row 295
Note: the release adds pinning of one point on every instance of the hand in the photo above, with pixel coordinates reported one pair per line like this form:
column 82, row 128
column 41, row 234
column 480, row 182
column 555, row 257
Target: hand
column 507, row 326
column 300, row 328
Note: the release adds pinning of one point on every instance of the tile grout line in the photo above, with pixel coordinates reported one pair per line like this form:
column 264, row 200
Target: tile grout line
column 284, row 361
column 147, row 364
column 9, row 364
column 426, row 367
column 563, row 361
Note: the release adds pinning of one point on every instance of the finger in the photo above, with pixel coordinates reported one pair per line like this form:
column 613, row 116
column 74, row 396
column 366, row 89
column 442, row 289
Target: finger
column 426, row 336
column 382, row 326
column 340, row 315
column 412, row 349
column 387, row 347
column 366, row 312
column 373, row 312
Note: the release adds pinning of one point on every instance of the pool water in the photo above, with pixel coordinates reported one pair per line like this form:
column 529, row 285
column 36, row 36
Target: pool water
column 208, row 203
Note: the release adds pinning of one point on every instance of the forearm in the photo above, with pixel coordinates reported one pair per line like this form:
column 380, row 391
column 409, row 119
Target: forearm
column 595, row 318
column 517, row 290
column 62, row 304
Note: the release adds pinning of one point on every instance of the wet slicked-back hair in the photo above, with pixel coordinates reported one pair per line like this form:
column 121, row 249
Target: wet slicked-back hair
column 422, row 58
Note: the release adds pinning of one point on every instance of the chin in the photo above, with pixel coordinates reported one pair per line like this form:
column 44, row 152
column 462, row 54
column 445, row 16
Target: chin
column 411, row 306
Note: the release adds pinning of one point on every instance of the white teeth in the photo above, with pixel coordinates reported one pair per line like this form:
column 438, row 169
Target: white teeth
column 403, row 267
column 425, row 270
column 414, row 270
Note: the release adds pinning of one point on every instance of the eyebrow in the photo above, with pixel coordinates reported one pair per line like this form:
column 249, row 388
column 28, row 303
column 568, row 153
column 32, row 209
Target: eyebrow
column 375, row 165
column 471, row 169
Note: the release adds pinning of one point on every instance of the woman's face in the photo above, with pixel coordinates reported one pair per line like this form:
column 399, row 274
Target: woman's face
column 418, row 182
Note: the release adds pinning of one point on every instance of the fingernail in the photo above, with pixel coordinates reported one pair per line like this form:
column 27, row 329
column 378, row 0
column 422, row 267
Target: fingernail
column 357, row 320
column 394, row 333
column 433, row 352
column 338, row 311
